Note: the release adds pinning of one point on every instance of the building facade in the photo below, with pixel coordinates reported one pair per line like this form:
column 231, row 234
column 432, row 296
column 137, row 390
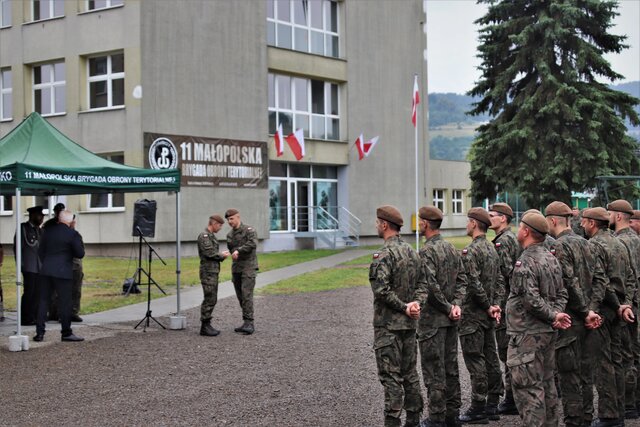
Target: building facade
column 216, row 78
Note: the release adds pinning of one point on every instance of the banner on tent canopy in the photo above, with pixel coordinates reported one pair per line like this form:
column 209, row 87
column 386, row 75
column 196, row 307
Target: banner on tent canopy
column 209, row 162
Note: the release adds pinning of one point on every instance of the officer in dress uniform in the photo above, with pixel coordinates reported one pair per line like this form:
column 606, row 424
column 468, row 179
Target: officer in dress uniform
column 30, row 264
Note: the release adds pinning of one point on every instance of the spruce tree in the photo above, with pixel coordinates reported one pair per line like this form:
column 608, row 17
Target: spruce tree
column 554, row 127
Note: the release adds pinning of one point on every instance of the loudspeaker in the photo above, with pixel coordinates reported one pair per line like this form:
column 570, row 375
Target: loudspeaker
column 144, row 218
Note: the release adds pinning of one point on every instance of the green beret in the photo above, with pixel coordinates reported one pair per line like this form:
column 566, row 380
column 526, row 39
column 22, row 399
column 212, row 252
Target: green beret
column 620, row 205
column 502, row 208
column 430, row 213
column 231, row 212
column 480, row 214
column 599, row 214
column 532, row 211
column 536, row 221
column 558, row 209
column 391, row 214
column 217, row 218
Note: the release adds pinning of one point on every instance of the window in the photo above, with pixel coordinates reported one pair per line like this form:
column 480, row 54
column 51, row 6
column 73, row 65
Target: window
column 456, row 201
column 6, row 205
column 299, row 103
column 438, row 199
column 103, row 4
column 108, row 200
column 304, row 25
column 49, row 89
column 6, row 99
column 106, row 81
column 44, row 202
column 5, row 13
column 47, row 9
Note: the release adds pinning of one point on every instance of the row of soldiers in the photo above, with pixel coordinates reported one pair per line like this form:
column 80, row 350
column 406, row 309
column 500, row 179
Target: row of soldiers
column 558, row 309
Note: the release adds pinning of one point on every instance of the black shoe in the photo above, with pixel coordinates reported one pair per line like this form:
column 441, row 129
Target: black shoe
column 492, row 413
column 206, row 330
column 430, row 423
column 508, row 407
column 38, row 338
column 631, row 414
column 246, row 328
column 72, row 338
column 606, row 422
column 452, row 422
column 76, row 318
column 474, row 415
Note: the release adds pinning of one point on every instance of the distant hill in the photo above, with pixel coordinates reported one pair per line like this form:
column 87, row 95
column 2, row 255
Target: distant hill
column 448, row 108
column 633, row 89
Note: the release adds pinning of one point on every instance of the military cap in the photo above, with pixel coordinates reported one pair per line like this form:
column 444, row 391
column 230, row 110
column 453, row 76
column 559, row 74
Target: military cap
column 558, row 209
column 217, row 218
column 430, row 213
column 35, row 210
column 502, row 208
column 536, row 221
column 480, row 214
column 532, row 211
column 620, row 205
column 231, row 212
column 599, row 214
column 391, row 214
column 59, row 207
column 636, row 215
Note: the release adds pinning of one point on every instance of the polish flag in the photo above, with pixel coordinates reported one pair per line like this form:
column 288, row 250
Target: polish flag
column 365, row 147
column 279, row 140
column 296, row 143
column 415, row 101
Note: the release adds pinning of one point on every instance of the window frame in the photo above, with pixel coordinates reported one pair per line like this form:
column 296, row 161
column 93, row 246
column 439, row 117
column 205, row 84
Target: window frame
column 52, row 9
column 455, row 201
column 9, row 14
column 109, row 77
column 3, row 210
column 109, row 207
column 438, row 202
column 4, row 91
column 53, row 85
column 109, row 5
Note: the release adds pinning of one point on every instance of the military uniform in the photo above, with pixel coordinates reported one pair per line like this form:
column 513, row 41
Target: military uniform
column 243, row 270
column 610, row 378
column 537, row 294
column 396, row 277
column 210, row 259
column 30, row 269
column 477, row 330
column 508, row 250
column 437, row 333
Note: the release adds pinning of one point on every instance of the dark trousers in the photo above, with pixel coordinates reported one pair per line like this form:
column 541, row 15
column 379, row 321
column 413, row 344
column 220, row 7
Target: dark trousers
column 30, row 298
column 244, row 283
column 62, row 287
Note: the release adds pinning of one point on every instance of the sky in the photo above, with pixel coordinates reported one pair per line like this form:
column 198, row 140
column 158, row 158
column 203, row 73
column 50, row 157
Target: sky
column 452, row 38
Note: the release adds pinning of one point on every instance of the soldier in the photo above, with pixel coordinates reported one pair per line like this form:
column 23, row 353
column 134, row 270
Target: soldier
column 548, row 240
column 399, row 287
column 535, row 308
column 437, row 329
column 612, row 255
column 480, row 311
column 578, row 271
column 210, row 259
column 242, row 242
column 509, row 250
column 576, row 219
column 30, row 267
column 620, row 212
column 634, row 223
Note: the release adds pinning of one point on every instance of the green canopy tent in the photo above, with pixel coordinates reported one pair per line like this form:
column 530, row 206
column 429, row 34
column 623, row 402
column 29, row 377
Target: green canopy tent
column 37, row 159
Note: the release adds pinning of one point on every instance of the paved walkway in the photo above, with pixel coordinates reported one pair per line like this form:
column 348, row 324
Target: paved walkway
column 189, row 298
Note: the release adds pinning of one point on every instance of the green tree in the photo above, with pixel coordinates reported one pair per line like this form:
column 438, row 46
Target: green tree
column 554, row 127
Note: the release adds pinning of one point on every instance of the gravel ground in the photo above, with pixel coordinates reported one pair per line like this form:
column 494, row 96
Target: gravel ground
column 310, row 363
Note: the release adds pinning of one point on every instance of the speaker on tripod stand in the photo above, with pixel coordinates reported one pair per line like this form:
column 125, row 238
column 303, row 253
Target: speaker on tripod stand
column 144, row 218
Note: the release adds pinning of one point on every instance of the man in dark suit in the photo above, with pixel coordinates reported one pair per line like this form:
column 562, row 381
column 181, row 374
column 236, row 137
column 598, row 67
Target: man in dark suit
column 58, row 246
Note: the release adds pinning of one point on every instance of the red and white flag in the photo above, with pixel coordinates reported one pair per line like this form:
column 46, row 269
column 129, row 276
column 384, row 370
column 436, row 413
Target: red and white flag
column 279, row 140
column 296, row 143
column 365, row 147
column 415, row 101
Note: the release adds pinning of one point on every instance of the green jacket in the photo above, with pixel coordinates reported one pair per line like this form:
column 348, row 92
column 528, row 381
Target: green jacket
column 208, row 251
column 244, row 240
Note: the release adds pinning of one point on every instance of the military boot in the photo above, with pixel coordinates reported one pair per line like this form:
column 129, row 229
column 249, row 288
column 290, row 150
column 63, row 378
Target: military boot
column 508, row 406
column 246, row 328
column 430, row 423
column 208, row 331
column 413, row 420
column 452, row 422
column 492, row 412
column 630, row 413
column 476, row 414
column 607, row 422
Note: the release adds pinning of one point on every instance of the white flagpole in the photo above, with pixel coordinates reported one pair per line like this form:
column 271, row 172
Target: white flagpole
column 416, row 143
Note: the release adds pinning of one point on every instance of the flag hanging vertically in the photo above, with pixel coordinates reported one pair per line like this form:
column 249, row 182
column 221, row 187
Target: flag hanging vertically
column 415, row 101
column 296, row 143
column 279, row 140
column 365, row 147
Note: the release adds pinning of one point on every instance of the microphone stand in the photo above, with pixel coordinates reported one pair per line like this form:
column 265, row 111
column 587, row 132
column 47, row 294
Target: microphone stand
column 149, row 281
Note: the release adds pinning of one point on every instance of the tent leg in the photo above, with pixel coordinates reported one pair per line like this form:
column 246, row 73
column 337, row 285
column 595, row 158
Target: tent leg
column 18, row 342
column 178, row 321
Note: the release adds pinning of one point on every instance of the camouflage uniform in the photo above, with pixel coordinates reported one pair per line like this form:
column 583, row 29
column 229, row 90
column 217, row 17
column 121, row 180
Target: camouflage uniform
column 576, row 227
column 210, row 260
column 243, row 270
column 437, row 334
column 509, row 251
column 610, row 379
column 537, row 294
column 397, row 278
column 477, row 333
column 631, row 346
column 573, row 361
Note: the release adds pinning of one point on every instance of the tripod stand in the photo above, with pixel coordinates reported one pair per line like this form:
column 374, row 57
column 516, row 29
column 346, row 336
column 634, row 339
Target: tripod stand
column 150, row 280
